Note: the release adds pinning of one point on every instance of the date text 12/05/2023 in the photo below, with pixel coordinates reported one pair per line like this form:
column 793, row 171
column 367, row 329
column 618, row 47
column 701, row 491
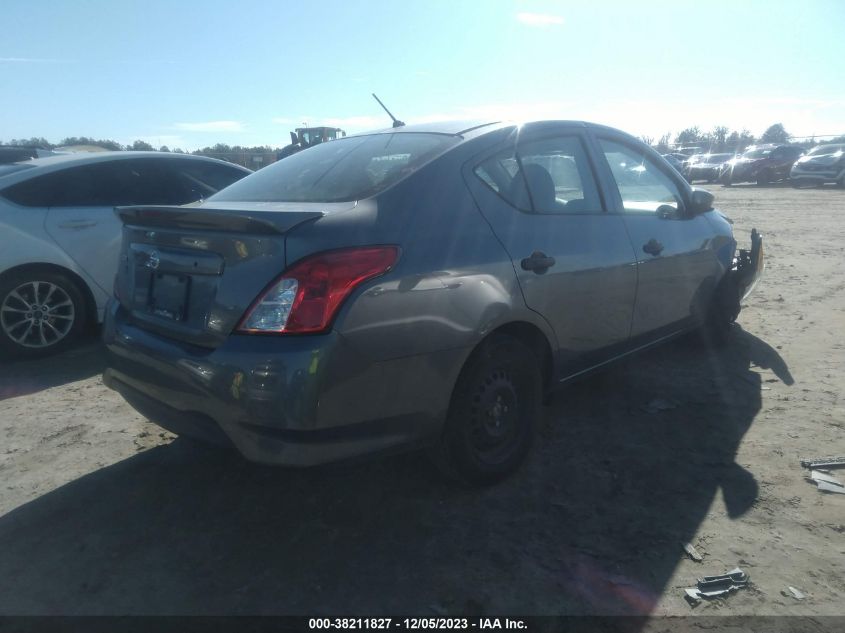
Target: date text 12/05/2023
column 416, row 623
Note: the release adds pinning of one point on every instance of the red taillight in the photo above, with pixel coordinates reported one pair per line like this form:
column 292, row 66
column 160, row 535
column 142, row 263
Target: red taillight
column 306, row 297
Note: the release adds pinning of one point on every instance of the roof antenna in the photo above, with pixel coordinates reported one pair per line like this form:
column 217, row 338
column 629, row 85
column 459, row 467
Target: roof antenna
column 396, row 122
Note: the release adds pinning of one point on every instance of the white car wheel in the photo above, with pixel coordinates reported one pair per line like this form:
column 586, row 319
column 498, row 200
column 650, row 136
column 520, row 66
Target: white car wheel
column 40, row 313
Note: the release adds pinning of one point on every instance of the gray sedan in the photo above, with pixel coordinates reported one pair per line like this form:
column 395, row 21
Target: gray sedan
column 417, row 287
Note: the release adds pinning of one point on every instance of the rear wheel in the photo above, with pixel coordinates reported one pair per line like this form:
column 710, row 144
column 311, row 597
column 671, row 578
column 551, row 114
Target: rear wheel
column 41, row 313
column 494, row 410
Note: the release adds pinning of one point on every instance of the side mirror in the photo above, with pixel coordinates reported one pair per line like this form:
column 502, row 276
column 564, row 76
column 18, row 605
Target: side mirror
column 700, row 201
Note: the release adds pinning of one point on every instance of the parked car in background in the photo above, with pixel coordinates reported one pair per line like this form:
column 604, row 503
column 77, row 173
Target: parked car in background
column 707, row 167
column 762, row 164
column 822, row 164
column 16, row 153
column 422, row 286
column 60, row 237
column 672, row 159
column 689, row 161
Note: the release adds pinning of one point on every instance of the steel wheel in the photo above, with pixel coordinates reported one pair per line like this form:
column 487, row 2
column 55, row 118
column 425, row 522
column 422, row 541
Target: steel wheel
column 493, row 413
column 494, row 417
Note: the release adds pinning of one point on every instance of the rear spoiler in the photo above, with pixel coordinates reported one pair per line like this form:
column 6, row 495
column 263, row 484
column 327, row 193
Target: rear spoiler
column 230, row 221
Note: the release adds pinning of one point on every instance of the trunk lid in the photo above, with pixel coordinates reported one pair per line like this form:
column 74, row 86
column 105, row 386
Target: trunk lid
column 190, row 273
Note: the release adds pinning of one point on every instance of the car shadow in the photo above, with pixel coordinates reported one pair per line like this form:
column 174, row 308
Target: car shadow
column 626, row 468
column 23, row 377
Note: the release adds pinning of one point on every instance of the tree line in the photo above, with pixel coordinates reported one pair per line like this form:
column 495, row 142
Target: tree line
column 238, row 154
column 722, row 139
column 719, row 139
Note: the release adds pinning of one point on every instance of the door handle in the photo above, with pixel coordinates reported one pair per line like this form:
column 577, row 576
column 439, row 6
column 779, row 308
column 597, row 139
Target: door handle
column 78, row 224
column 539, row 262
column 653, row 247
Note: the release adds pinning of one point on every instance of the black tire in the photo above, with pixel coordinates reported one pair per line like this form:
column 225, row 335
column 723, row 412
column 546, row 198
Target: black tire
column 493, row 414
column 58, row 322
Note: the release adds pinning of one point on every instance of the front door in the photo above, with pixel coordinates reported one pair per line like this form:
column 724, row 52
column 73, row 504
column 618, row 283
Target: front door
column 677, row 266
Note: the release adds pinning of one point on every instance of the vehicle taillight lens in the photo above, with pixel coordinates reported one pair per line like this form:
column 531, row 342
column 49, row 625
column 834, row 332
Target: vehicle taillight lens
column 305, row 299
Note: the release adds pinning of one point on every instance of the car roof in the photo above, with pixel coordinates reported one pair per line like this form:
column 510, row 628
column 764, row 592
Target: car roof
column 451, row 127
column 48, row 164
column 470, row 128
column 85, row 158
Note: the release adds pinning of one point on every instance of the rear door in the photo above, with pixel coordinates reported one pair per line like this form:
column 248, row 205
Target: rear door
column 676, row 264
column 81, row 220
column 573, row 259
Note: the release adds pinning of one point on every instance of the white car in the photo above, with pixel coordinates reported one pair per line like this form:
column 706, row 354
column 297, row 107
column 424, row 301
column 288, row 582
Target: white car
column 60, row 238
column 822, row 164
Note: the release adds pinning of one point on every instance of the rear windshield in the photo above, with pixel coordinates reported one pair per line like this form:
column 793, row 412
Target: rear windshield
column 342, row 170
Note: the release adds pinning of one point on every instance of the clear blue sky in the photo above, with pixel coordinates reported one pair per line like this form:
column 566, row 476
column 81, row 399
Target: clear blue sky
column 188, row 73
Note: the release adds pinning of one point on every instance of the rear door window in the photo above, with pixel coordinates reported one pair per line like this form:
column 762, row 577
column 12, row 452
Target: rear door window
column 546, row 176
column 101, row 184
column 559, row 176
column 125, row 182
column 499, row 172
column 84, row 186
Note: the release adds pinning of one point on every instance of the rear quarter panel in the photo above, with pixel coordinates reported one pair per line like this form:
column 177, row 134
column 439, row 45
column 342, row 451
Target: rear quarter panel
column 453, row 283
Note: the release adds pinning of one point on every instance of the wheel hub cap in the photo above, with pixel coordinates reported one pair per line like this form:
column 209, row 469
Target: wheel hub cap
column 495, row 412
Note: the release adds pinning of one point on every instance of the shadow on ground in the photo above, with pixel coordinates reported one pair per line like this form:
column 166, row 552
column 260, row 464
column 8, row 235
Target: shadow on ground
column 23, row 377
column 628, row 464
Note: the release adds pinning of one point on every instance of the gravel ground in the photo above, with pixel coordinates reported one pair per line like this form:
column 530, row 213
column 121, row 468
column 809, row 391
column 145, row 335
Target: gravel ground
column 102, row 512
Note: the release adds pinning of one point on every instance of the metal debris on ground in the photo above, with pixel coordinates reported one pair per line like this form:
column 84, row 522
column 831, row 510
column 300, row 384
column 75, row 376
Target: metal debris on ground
column 692, row 552
column 823, row 462
column 795, row 593
column 826, row 483
column 716, row 586
column 828, row 487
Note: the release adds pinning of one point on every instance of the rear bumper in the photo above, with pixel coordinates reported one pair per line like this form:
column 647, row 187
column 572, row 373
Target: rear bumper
column 292, row 401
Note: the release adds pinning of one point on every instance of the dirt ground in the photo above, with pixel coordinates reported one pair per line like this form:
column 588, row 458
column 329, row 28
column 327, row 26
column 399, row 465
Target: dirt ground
column 101, row 512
